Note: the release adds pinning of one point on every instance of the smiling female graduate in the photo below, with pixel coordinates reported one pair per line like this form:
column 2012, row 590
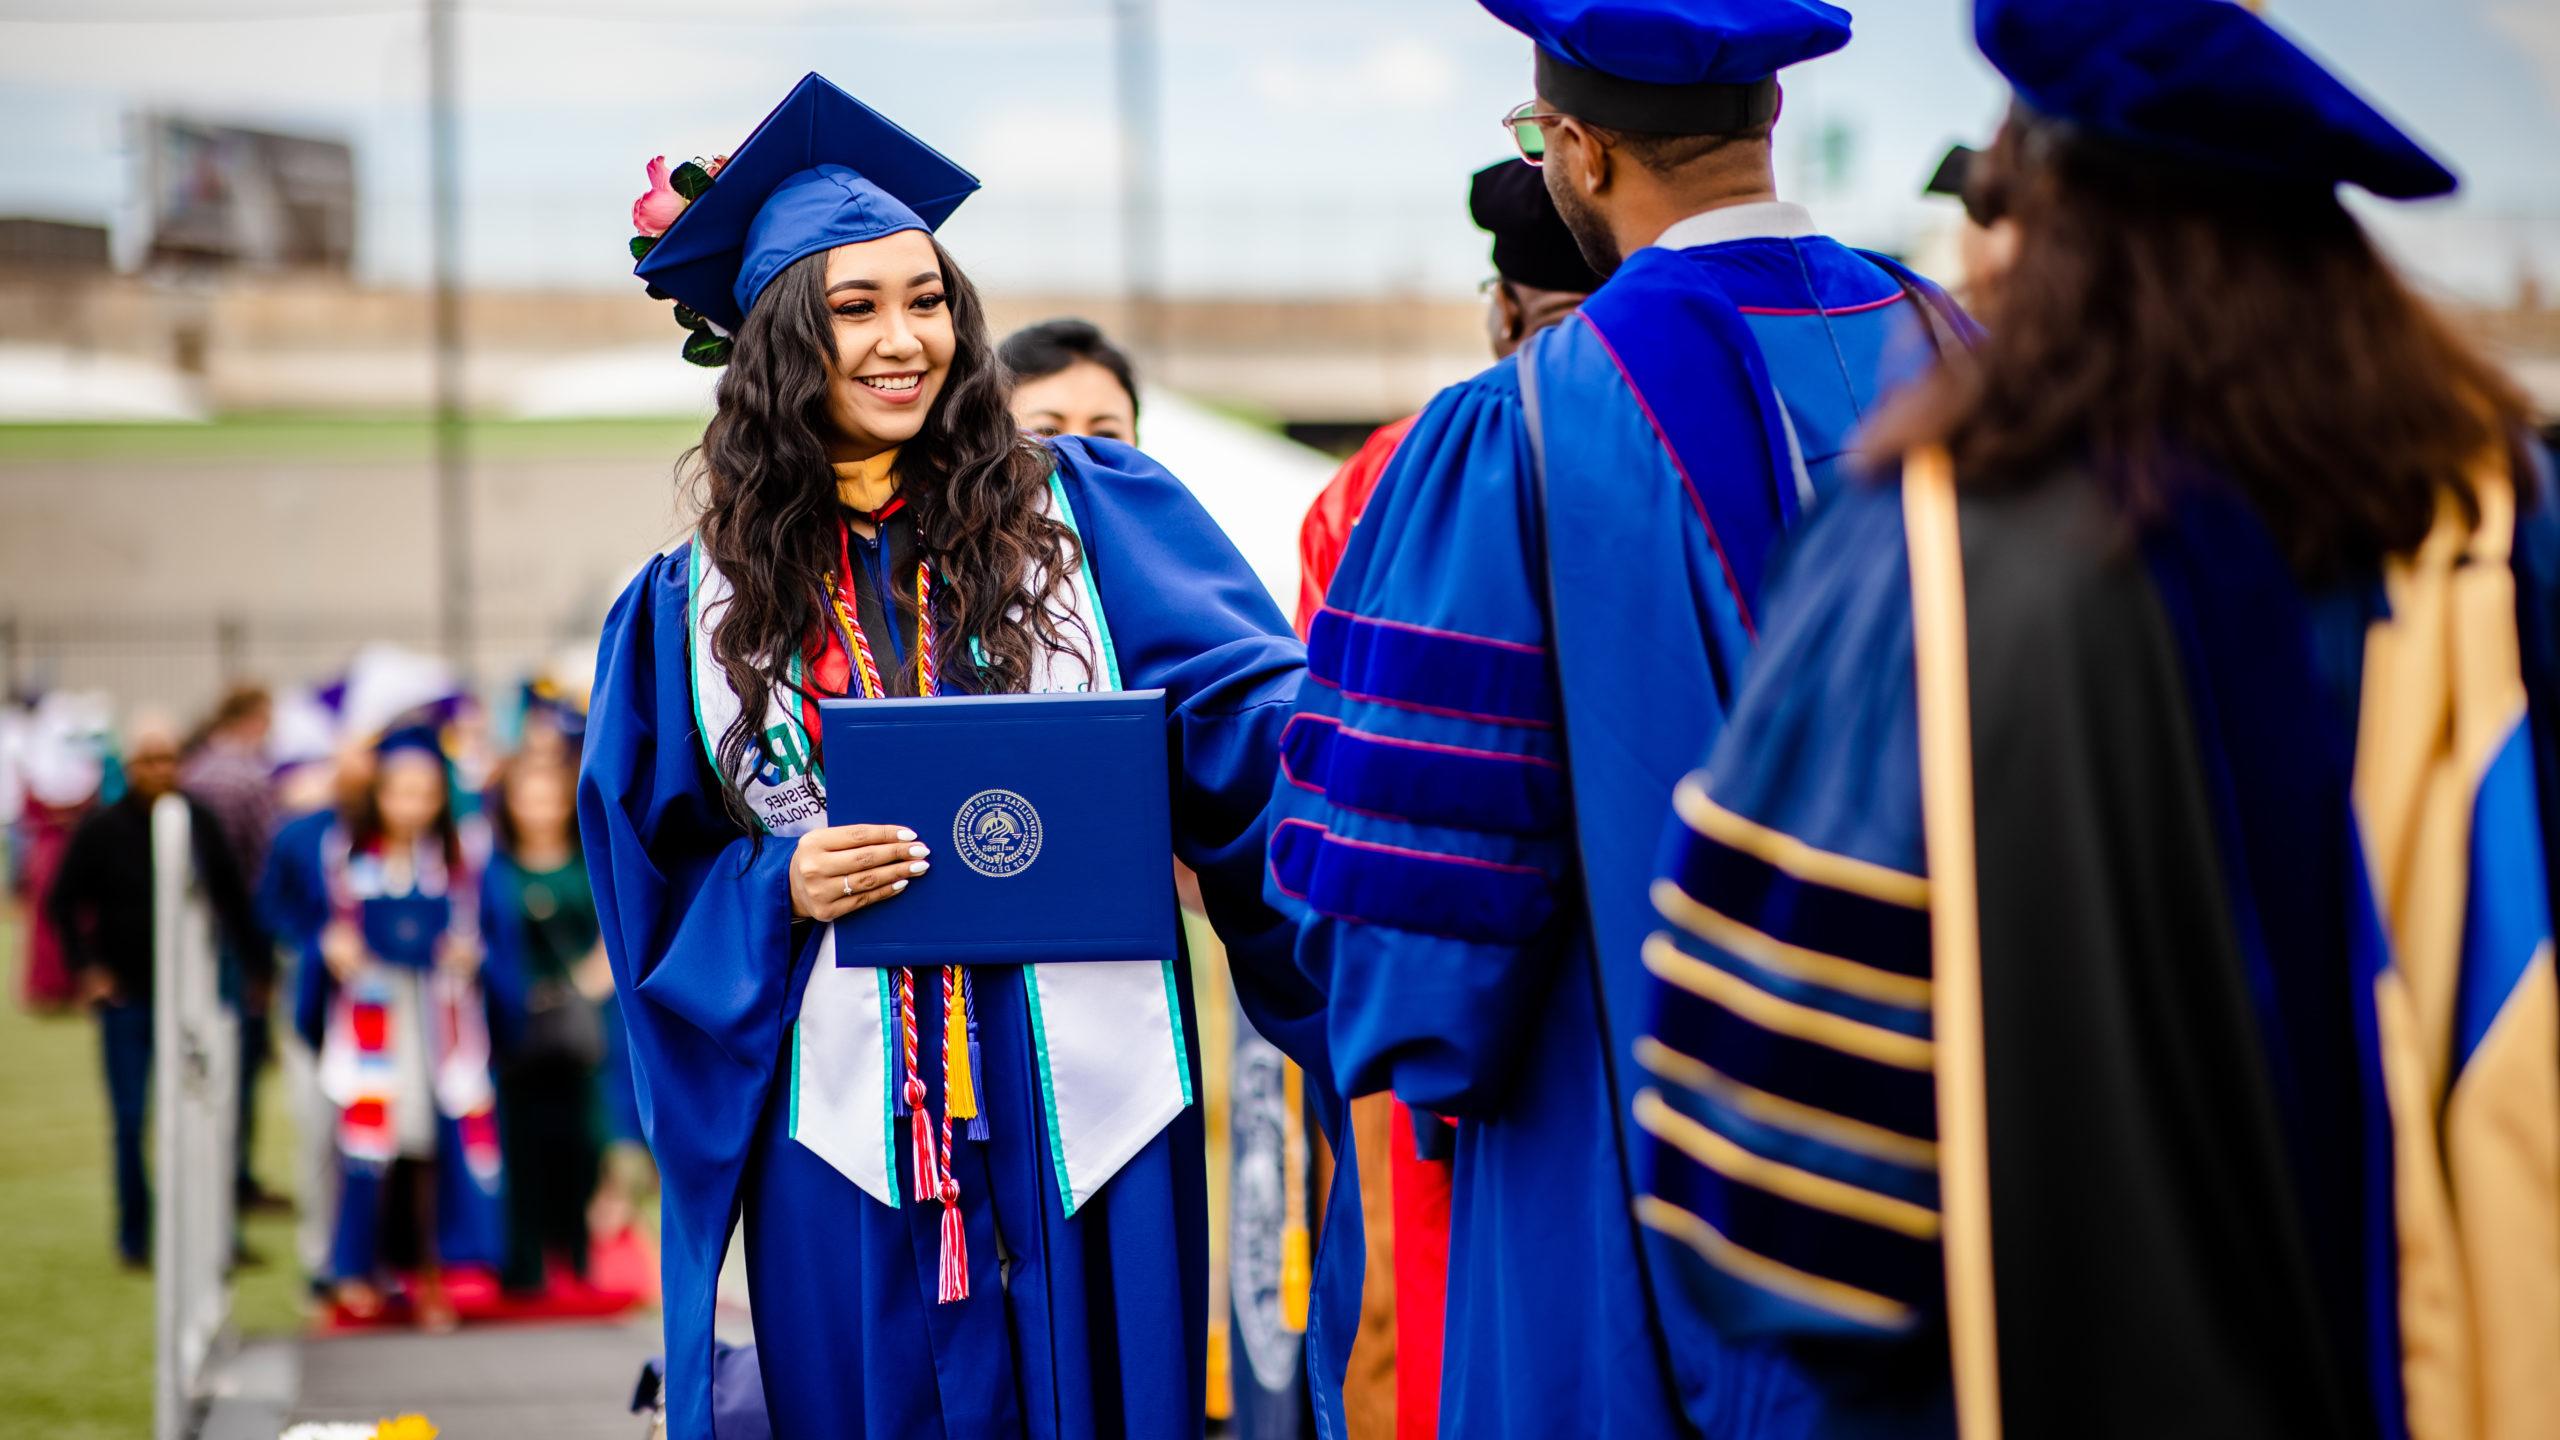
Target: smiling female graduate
column 972, row 1199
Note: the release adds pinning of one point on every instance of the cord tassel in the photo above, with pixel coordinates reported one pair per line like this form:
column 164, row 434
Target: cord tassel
column 955, row 1247
column 928, row 1173
column 955, row 1086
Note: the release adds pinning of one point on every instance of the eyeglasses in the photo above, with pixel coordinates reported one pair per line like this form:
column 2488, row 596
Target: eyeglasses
column 1528, row 126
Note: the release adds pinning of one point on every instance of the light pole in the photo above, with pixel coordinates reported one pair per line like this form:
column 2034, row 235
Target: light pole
column 454, row 599
column 1141, row 163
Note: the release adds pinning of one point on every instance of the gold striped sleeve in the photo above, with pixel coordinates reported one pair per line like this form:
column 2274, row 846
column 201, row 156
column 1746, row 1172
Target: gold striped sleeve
column 1800, row 1022
column 1752, row 1268
column 1832, row 972
column 1780, row 1113
column 1791, row 855
column 1748, row 1167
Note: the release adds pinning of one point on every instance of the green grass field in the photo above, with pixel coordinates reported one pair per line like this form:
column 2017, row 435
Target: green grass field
column 75, row 1329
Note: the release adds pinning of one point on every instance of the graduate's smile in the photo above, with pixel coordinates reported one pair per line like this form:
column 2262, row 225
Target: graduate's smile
column 903, row 387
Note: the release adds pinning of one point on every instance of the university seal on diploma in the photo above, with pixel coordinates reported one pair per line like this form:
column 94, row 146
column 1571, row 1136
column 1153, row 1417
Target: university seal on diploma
column 997, row 833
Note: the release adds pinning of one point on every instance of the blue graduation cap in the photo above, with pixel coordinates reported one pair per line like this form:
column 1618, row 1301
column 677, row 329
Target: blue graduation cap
column 822, row 170
column 1675, row 67
column 414, row 735
column 2201, row 81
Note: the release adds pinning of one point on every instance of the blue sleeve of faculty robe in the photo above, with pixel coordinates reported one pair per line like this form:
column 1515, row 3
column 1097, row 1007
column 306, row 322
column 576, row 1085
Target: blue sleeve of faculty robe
column 1419, row 820
column 698, row 923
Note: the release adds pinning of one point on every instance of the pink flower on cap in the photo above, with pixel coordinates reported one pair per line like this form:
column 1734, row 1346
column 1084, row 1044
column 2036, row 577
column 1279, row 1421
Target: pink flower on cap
column 653, row 212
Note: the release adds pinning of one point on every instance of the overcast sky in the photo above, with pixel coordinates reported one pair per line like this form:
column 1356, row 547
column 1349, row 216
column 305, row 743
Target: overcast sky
column 1310, row 148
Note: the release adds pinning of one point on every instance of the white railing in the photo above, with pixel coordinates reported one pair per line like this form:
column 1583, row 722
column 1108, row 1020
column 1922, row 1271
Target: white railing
column 195, row 1067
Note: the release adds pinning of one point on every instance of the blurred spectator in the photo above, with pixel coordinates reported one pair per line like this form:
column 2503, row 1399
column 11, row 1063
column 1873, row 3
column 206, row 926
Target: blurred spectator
column 549, row 1111
column 395, row 1004
column 226, row 772
column 61, row 768
column 293, row 906
column 1069, row 380
column 102, row 902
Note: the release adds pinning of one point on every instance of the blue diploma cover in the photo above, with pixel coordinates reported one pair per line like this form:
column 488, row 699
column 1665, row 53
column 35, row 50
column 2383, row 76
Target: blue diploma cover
column 1049, row 816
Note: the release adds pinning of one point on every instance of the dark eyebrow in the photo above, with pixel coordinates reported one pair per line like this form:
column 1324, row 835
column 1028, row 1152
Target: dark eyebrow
column 930, row 277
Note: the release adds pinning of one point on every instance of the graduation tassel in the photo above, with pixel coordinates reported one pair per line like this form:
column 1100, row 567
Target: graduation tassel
column 955, row 1083
column 920, row 1128
column 977, row 1071
column 959, row 1089
column 1297, row 1253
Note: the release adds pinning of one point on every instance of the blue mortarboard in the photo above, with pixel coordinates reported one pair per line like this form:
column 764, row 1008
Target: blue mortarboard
column 822, row 170
column 2203, row 81
column 421, row 738
column 1681, row 67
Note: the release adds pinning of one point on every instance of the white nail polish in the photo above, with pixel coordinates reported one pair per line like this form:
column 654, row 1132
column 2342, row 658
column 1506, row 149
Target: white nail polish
column 919, row 851
column 901, row 885
column 906, row 834
column 919, row 867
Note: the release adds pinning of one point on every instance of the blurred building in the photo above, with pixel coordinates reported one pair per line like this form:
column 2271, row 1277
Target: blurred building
column 57, row 248
column 225, row 196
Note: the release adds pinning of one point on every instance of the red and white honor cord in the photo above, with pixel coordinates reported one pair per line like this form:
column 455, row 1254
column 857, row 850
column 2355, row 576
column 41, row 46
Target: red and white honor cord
column 934, row 1178
column 955, row 1239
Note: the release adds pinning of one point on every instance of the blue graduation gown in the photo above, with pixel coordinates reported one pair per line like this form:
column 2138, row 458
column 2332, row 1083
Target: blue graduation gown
column 1445, row 797
column 1100, row 1325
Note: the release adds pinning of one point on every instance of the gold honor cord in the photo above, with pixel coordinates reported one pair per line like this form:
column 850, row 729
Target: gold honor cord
column 1955, row 932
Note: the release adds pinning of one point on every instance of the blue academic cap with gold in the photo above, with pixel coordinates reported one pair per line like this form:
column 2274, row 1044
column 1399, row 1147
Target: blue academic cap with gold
column 1677, row 67
column 822, row 170
column 2203, row 82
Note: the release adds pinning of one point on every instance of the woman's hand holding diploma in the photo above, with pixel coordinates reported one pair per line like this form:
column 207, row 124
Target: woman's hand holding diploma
column 843, row 868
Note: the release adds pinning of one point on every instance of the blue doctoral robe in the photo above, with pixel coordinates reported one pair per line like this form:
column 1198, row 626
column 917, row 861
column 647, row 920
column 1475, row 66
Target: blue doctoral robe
column 2189, row 1151
column 1098, row 1325
column 1445, row 796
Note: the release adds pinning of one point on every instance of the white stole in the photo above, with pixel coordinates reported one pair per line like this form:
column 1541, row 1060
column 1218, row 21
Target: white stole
column 1113, row 1068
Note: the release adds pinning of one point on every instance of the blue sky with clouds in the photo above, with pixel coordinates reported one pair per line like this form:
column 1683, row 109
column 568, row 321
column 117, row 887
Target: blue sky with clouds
column 1310, row 148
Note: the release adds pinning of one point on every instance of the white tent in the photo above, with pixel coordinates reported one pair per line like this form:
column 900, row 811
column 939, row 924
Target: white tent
column 1255, row 484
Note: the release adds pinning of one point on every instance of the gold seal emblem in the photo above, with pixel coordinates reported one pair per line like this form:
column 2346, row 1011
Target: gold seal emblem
column 997, row 833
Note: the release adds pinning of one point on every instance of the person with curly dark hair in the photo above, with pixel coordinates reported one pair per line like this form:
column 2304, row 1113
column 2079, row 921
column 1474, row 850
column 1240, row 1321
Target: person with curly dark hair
column 873, row 524
column 2103, row 982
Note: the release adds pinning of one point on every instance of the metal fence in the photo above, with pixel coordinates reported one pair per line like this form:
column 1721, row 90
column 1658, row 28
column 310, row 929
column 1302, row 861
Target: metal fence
column 196, row 1075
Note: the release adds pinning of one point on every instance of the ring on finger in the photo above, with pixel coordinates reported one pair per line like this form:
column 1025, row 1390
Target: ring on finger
column 848, row 886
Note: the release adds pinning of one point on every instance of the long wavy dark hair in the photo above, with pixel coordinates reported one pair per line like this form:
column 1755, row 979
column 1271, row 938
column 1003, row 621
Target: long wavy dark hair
column 2161, row 324
column 768, row 499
